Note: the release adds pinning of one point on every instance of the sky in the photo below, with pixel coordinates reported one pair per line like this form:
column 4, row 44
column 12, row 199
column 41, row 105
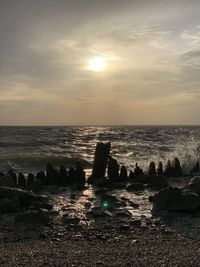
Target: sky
column 151, row 50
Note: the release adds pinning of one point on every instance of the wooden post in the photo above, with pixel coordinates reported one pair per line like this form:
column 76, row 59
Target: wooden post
column 100, row 160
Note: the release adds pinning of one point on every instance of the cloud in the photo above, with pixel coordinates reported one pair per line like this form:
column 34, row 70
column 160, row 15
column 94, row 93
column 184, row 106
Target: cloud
column 152, row 53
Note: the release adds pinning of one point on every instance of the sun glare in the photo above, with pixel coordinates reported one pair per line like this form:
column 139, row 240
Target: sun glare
column 98, row 64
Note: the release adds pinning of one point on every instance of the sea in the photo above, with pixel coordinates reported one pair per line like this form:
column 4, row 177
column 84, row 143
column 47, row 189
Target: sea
column 28, row 149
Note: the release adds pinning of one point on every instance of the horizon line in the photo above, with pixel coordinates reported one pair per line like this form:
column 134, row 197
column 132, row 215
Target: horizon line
column 97, row 125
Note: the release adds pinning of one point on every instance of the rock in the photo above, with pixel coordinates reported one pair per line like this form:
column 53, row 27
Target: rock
column 152, row 168
column 36, row 205
column 70, row 220
column 196, row 168
column 88, row 205
column 41, row 177
column 124, row 227
column 174, row 199
column 63, row 176
column 96, row 213
column 1, row 174
column 26, row 197
column 110, row 214
column 135, row 187
column 143, row 179
column 100, row 192
column 52, row 175
column 72, row 175
column 9, row 205
column 109, row 201
column 123, row 174
column 194, row 184
column 123, row 214
column 157, row 182
column 101, row 156
column 117, row 185
column 7, row 181
column 80, row 187
column 195, row 179
column 113, row 170
column 136, row 223
column 40, row 217
column 21, row 181
column 36, row 186
column 160, row 168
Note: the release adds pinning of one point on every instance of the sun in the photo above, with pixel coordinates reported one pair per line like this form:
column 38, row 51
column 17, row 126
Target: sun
column 98, row 64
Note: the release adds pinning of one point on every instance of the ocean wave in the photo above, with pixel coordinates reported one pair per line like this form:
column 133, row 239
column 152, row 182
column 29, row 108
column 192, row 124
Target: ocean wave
column 38, row 162
column 33, row 147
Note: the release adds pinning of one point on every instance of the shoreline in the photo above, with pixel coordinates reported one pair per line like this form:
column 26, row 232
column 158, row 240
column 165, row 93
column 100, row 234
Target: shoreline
column 139, row 247
column 122, row 219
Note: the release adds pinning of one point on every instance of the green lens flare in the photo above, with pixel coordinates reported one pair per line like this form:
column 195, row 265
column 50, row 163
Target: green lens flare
column 105, row 204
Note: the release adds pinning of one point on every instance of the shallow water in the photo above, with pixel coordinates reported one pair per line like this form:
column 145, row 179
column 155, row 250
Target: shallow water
column 77, row 204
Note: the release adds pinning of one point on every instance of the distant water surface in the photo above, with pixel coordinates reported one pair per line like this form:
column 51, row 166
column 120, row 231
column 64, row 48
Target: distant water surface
column 30, row 148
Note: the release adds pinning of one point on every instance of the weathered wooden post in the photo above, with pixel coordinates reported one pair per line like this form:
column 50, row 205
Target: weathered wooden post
column 100, row 160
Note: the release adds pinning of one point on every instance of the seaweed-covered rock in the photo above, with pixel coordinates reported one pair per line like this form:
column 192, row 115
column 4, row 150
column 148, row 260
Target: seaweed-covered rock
column 135, row 187
column 37, row 205
column 36, row 186
column 142, row 179
column 7, row 181
column 196, row 168
column 9, row 205
column 26, row 197
column 40, row 217
column 194, row 184
column 175, row 199
column 157, row 182
column 72, row 175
